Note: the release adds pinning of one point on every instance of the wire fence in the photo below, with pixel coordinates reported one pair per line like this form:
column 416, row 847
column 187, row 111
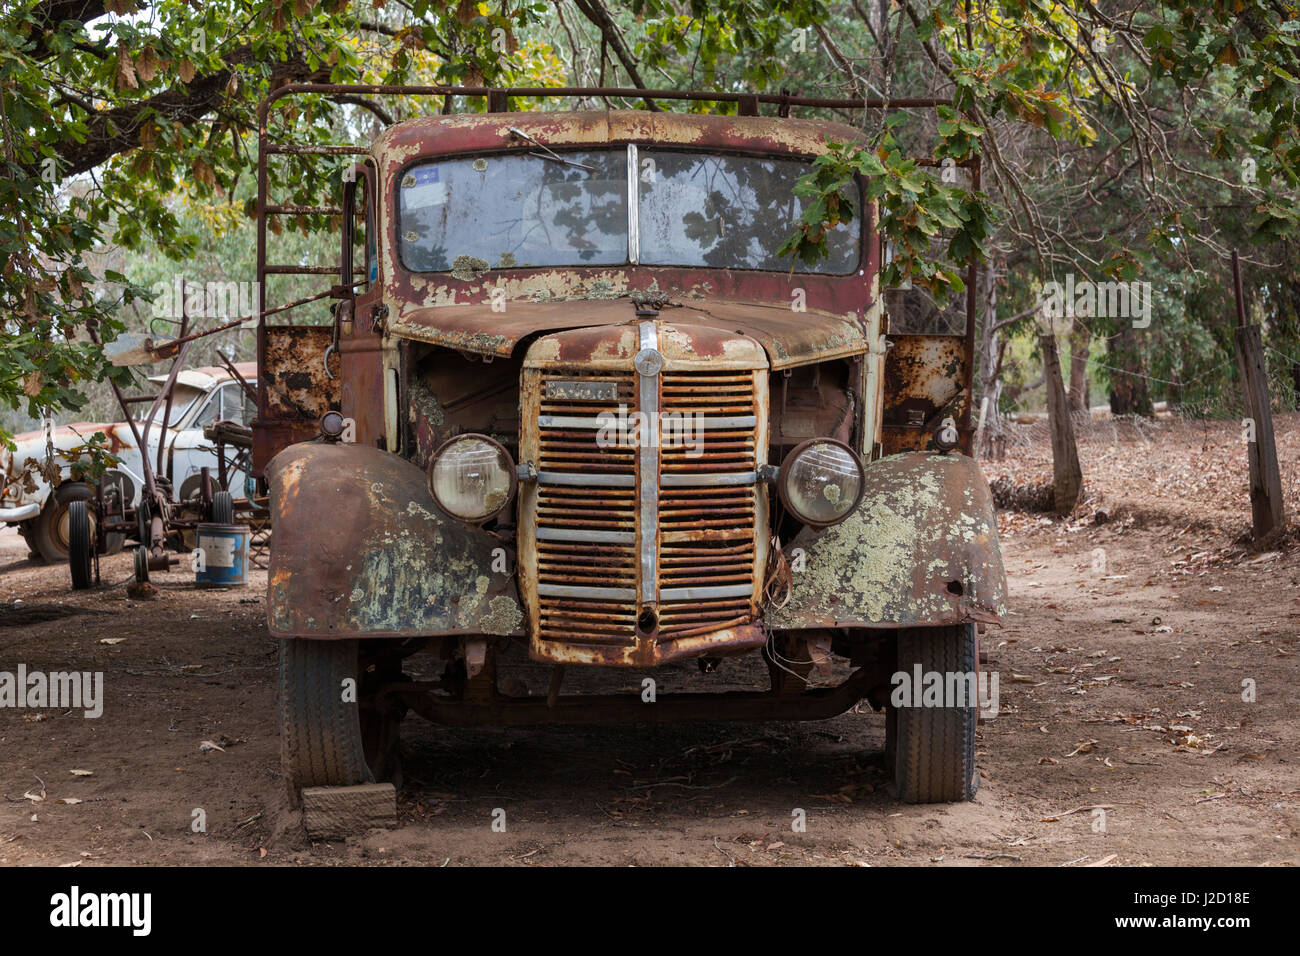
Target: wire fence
column 1188, row 461
column 1214, row 396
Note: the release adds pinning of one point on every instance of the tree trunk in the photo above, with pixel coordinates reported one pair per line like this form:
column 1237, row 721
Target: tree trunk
column 1128, row 387
column 1080, row 336
column 990, row 439
column 1267, row 512
column 1066, row 474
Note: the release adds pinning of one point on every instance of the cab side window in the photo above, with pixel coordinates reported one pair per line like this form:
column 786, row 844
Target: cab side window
column 230, row 403
column 210, row 412
column 364, row 235
column 236, row 406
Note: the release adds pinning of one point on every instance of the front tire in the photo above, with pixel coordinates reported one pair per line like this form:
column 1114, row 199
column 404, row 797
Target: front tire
column 933, row 748
column 80, row 544
column 223, row 508
column 325, row 739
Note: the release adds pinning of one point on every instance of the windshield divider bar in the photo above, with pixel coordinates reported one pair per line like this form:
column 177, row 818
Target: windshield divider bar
column 633, row 207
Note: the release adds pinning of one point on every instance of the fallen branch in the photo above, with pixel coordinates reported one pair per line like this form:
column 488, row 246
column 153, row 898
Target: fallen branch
column 1096, row 806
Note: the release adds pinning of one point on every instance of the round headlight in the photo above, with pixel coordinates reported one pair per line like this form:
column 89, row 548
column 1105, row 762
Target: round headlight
column 821, row 481
column 331, row 425
column 472, row 478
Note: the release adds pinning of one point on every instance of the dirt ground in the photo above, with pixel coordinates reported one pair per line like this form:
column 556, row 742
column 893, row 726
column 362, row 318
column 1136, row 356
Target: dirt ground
column 1122, row 739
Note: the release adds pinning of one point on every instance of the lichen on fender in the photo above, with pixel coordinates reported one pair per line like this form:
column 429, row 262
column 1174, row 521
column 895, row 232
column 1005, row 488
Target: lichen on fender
column 921, row 550
column 381, row 560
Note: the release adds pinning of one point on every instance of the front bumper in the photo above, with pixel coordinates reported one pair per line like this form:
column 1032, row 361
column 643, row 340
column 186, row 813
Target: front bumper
column 20, row 512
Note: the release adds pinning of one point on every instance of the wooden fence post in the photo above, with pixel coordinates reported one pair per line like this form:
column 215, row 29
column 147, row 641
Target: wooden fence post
column 1266, row 510
column 1067, row 477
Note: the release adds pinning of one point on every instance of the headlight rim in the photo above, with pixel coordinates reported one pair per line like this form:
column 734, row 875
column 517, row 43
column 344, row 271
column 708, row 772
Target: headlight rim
column 511, row 473
column 784, row 473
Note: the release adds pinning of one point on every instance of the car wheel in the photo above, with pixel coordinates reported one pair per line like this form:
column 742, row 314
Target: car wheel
column 79, row 544
column 50, row 529
column 933, row 747
column 331, row 735
column 143, row 524
column 191, row 488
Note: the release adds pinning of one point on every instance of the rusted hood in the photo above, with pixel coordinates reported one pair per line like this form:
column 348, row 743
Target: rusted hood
column 71, row 430
column 789, row 337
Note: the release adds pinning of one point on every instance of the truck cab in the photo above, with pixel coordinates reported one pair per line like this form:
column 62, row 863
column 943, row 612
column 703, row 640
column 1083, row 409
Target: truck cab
column 573, row 400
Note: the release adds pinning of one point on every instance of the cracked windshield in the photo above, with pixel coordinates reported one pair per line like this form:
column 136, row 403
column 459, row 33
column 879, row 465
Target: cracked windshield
column 515, row 211
column 519, row 211
column 728, row 212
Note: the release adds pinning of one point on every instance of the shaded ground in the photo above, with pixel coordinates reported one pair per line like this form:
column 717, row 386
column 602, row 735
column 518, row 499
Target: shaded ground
column 1121, row 682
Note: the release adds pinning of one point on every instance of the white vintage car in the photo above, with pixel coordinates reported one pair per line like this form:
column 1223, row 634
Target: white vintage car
column 202, row 396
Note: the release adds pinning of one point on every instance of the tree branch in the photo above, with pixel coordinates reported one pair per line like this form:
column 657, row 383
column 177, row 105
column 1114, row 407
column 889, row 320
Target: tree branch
column 47, row 16
column 365, row 103
column 113, row 131
column 595, row 12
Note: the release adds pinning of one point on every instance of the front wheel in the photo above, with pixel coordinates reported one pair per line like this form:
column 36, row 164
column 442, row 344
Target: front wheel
column 331, row 734
column 930, row 744
column 51, row 533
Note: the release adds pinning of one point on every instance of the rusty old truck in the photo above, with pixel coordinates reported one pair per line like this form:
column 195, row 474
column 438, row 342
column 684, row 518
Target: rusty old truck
column 570, row 405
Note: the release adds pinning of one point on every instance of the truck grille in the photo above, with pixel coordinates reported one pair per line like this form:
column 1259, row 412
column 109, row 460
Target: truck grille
column 690, row 555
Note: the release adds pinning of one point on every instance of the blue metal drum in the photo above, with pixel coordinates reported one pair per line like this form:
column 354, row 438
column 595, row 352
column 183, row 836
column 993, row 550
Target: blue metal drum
column 224, row 550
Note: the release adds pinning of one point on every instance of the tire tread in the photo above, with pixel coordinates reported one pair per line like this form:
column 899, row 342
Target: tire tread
column 321, row 742
column 79, row 545
column 935, row 746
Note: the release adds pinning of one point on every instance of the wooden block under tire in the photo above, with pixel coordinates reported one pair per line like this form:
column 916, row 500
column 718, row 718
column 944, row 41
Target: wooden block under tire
column 342, row 811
